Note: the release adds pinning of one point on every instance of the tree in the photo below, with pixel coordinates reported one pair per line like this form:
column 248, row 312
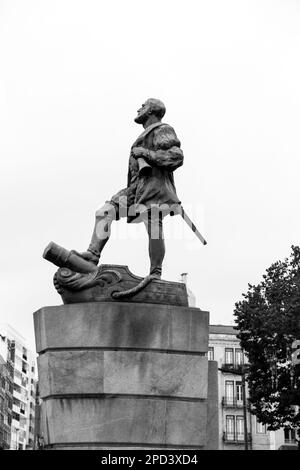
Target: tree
column 268, row 320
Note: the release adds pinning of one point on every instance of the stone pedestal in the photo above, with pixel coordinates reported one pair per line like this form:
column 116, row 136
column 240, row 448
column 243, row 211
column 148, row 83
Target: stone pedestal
column 126, row 375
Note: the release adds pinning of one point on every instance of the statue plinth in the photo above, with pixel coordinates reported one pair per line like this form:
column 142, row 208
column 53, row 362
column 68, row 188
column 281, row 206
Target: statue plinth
column 127, row 374
column 109, row 283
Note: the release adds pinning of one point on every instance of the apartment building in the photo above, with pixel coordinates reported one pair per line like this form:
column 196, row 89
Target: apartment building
column 21, row 364
column 6, row 398
column 238, row 428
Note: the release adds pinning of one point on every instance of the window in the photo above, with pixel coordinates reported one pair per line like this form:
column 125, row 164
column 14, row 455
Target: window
column 210, row 354
column 24, row 355
column 229, row 428
column 239, row 392
column 239, row 357
column 229, row 356
column 260, row 428
column 16, row 402
column 229, row 391
column 240, row 436
column 289, row 436
column 24, row 381
column 22, row 407
column 12, row 352
column 234, row 429
column 15, row 416
column 24, row 367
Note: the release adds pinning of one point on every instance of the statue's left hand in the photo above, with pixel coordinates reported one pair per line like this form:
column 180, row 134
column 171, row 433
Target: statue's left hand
column 138, row 152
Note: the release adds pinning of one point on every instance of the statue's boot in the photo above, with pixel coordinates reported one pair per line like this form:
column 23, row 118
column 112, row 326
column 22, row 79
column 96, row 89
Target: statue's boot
column 89, row 256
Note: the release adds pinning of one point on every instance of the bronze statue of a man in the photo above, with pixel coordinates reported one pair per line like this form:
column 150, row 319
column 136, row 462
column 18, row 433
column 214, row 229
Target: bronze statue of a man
column 150, row 193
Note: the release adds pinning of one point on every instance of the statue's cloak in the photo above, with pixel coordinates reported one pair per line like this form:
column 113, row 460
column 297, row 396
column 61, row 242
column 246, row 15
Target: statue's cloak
column 157, row 189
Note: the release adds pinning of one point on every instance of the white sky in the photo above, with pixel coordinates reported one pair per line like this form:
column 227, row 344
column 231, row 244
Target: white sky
column 72, row 75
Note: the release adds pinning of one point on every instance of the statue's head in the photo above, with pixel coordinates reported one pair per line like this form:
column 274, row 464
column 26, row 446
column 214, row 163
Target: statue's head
column 151, row 107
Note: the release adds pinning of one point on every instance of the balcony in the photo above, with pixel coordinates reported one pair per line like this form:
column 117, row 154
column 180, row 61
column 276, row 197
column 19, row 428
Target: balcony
column 290, row 442
column 17, row 379
column 17, row 395
column 232, row 402
column 16, row 408
column 234, row 438
column 232, row 368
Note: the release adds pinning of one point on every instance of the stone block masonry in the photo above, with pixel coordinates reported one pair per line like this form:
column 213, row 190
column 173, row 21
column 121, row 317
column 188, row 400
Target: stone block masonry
column 125, row 375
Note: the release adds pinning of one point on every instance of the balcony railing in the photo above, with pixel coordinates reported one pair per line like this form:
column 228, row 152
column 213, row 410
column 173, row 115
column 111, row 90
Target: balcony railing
column 232, row 368
column 232, row 402
column 290, row 441
column 235, row 438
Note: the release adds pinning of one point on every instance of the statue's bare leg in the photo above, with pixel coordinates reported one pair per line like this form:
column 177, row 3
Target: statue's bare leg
column 101, row 233
column 157, row 250
column 115, row 209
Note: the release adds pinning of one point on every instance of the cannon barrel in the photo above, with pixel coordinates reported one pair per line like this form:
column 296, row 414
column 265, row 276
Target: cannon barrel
column 67, row 259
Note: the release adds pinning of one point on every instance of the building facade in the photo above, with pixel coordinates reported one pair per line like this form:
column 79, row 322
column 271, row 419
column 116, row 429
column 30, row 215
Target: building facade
column 20, row 363
column 238, row 428
column 6, row 398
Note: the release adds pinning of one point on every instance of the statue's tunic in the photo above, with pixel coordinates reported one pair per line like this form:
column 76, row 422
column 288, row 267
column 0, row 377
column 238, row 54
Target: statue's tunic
column 143, row 193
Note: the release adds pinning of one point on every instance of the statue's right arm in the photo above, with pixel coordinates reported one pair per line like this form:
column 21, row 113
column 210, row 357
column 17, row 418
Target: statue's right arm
column 167, row 153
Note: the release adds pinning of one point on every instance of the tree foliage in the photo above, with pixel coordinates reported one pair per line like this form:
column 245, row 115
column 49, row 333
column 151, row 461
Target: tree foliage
column 268, row 323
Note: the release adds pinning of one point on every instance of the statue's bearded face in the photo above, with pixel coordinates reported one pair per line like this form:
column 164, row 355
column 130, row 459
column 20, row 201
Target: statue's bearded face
column 143, row 113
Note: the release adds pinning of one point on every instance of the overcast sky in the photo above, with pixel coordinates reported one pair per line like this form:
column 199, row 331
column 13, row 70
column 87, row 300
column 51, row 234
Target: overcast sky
column 72, row 75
